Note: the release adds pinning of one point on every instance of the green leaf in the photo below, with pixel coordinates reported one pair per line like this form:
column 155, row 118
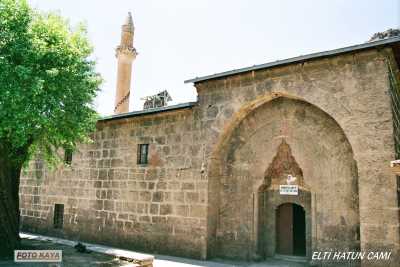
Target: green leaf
column 47, row 81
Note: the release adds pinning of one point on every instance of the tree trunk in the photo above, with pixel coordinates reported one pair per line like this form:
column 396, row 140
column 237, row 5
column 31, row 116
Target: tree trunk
column 10, row 168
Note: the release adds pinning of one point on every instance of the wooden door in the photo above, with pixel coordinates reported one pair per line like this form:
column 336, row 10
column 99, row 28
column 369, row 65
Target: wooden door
column 284, row 227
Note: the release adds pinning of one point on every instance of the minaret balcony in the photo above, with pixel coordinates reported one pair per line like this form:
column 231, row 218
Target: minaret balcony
column 125, row 50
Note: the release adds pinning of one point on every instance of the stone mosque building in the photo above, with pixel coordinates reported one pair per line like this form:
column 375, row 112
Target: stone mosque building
column 289, row 157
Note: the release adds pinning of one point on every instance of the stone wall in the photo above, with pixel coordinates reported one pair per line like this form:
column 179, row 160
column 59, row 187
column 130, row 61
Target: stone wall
column 326, row 168
column 199, row 196
column 352, row 89
column 110, row 199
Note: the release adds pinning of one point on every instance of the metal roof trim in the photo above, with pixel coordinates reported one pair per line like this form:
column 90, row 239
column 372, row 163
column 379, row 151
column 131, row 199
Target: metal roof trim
column 297, row 59
column 148, row 111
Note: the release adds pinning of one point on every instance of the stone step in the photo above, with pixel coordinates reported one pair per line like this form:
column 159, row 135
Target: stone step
column 290, row 258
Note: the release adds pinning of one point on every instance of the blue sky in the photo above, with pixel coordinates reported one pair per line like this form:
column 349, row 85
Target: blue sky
column 178, row 40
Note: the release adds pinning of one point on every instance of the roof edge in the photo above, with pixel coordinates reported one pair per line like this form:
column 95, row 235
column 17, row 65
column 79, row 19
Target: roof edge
column 148, row 111
column 327, row 53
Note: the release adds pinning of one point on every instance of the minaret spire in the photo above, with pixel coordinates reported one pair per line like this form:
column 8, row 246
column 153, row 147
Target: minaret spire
column 125, row 54
column 129, row 22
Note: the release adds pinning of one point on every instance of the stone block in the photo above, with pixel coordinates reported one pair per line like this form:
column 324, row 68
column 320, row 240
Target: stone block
column 179, row 197
column 165, row 209
column 198, row 211
column 142, row 208
column 115, row 163
column 154, row 209
column 192, row 197
column 145, row 219
column 145, row 196
column 157, row 196
column 182, row 210
column 187, row 186
column 174, row 185
column 109, row 205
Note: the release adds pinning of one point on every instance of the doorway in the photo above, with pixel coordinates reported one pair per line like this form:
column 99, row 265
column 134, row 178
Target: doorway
column 290, row 230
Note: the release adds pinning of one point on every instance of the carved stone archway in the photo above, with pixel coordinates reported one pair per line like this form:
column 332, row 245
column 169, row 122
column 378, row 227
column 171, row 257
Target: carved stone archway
column 285, row 136
column 270, row 199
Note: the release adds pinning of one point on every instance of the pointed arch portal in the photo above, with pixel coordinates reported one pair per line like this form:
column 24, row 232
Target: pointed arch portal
column 248, row 217
column 282, row 224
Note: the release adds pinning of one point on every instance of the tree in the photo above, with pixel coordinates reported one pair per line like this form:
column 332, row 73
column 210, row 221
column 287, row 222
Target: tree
column 47, row 85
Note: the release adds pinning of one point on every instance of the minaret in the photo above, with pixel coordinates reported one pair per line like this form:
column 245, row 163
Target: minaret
column 125, row 54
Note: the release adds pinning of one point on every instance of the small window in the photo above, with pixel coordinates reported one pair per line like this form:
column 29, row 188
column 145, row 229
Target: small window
column 58, row 216
column 68, row 156
column 143, row 152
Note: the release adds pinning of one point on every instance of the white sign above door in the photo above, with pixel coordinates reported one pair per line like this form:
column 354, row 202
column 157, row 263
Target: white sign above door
column 289, row 190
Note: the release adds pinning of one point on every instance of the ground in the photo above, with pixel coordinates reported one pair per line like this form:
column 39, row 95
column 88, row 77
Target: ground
column 71, row 258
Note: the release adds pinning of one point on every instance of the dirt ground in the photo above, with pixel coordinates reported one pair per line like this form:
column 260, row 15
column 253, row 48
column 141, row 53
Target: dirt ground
column 72, row 258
